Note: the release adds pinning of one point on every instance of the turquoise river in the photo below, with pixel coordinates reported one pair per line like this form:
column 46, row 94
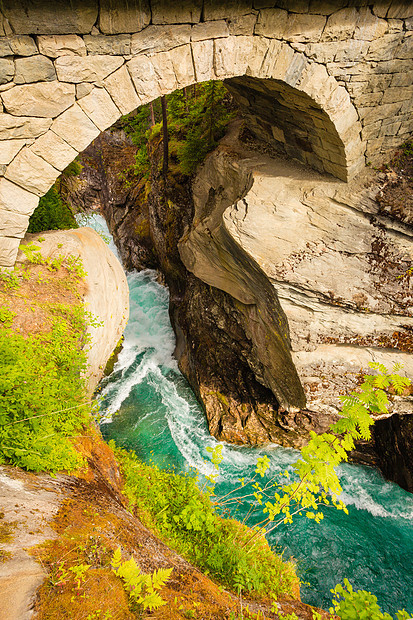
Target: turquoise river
column 148, row 406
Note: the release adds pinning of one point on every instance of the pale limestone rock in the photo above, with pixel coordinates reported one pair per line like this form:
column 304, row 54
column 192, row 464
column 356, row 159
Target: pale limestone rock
column 5, row 29
column 231, row 56
column 400, row 9
column 89, row 69
column 383, row 48
column 173, row 69
column 182, row 63
column 15, row 198
column 117, row 16
column 395, row 95
column 368, row 26
column 61, row 45
column 242, row 24
column 9, row 149
column 185, row 11
column 311, row 237
column 160, row 38
column 272, row 23
column 230, row 8
column 34, row 69
column 106, row 294
column 406, row 48
column 31, row 172
column 268, row 58
column 45, row 99
column 304, row 28
column 120, row 87
column 5, row 47
column 12, row 224
column 53, row 149
column 115, row 45
column 12, row 127
column 402, row 79
column 57, row 17
column 322, row 52
column 9, row 247
column 162, row 73
column 203, row 53
column 83, row 89
column 20, row 45
column 144, row 78
column 340, row 25
column 75, row 128
column 209, row 30
column 100, row 108
column 350, row 51
column 278, row 66
column 260, row 49
column 6, row 70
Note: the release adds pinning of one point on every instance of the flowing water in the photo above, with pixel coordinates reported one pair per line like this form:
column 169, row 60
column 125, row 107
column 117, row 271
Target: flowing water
column 148, row 407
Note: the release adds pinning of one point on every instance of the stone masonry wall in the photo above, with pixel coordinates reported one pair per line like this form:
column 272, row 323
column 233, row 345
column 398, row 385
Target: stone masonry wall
column 69, row 70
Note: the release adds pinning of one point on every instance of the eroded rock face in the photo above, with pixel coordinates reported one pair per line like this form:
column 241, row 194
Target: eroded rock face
column 106, row 294
column 337, row 266
column 257, row 230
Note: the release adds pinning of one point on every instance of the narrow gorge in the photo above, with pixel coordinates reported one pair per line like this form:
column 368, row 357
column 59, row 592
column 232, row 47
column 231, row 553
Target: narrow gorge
column 206, row 309
column 284, row 285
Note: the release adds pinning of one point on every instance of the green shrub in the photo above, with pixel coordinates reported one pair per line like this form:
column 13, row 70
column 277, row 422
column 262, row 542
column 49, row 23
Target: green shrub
column 42, row 396
column 186, row 519
column 51, row 214
column 349, row 604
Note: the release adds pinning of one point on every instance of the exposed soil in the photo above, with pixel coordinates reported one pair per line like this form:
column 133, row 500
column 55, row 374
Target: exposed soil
column 37, row 289
column 396, row 194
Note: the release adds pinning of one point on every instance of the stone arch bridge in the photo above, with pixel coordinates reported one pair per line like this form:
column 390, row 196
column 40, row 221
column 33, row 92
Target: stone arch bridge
column 330, row 81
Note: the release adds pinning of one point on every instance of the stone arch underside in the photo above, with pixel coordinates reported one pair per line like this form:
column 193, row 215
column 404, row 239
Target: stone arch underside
column 307, row 112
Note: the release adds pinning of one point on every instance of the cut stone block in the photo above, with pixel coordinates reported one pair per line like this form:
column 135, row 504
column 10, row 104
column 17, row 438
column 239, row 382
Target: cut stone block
column 76, row 128
column 185, row 11
column 31, row 172
column 13, row 224
column 120, row 87
column 88, row 69
column 114, row 45
column 56, row 17
column 6, row 70
column 16, row 199
column 54, row 150
column 61, row 45
column 12, row 127
column 9, row 247
column 160, row 38
column 46, row 99
column 34, row 69
column 117, row 16
column 100, row 108
column 9, row 149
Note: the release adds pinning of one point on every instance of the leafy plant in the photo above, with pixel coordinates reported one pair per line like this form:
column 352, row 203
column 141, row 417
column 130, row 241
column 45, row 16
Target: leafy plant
column 141, row 587
column 51, row 213
column 6, row 316
column 9, row 279
column 187, row 520
column 314, row 479
column 349, row 604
